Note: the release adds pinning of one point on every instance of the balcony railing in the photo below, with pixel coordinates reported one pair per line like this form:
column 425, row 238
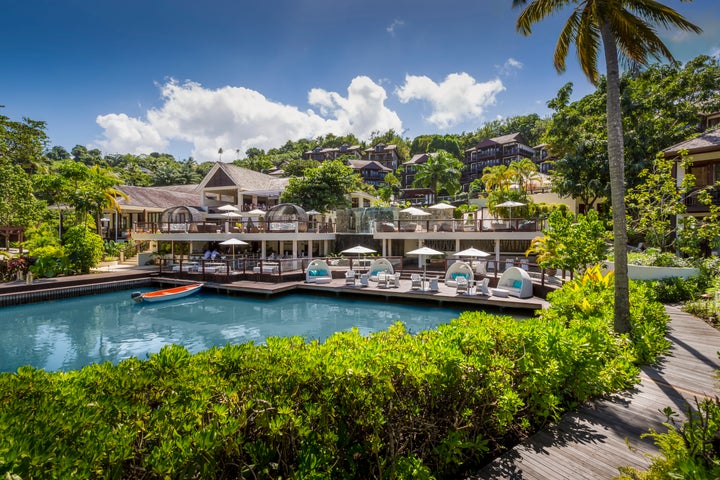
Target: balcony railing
column 210, row 226
column 456, row 225
column 693, row 204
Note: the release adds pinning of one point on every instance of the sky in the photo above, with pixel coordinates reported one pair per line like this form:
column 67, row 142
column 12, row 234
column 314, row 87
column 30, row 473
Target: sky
column 189, row 77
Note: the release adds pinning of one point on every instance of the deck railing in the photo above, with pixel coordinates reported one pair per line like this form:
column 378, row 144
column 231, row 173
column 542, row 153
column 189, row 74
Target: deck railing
column 221, row 226
column 457, row 225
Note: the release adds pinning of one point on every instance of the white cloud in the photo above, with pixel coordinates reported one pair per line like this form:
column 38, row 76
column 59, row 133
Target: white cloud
column 458, row 98
column 239, row 118
column 509, row 66
column 394, row 26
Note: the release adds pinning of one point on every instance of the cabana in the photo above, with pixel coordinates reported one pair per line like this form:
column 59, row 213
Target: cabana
column 380, row 265
column 458, row 269
column 318, row 271
column 516, row 282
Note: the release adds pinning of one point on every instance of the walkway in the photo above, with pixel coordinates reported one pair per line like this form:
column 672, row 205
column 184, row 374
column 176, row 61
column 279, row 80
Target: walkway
column 591, row 443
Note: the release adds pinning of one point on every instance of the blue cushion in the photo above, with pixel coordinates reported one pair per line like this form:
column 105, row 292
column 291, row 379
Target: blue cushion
column 322, row 273
column 313, row 273
column 517, row 284
column 456, row 275
column 374, row 274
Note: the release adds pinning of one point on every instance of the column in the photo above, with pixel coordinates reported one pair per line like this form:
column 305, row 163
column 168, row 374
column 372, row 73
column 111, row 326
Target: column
column 263, row 246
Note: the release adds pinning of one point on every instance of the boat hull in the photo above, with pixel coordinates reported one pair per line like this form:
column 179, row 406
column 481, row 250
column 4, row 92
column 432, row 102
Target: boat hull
column 167, row 293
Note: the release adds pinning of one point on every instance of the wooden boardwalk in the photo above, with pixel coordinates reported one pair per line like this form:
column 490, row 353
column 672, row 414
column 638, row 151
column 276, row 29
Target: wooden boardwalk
column 591, row 443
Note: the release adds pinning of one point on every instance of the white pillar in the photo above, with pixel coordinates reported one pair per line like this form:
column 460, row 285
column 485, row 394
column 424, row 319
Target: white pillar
column 421, row 260
column 497, row 254
column 294, row 247
column 457, row 244
column 263, row 250
column 310, row 248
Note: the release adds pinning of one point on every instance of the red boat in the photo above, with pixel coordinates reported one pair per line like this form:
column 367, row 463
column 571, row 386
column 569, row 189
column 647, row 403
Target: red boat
column 167, row 293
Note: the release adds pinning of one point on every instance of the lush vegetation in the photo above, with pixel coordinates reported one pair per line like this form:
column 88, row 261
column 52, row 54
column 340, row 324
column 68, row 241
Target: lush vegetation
column 689, row 450
column 436, row 404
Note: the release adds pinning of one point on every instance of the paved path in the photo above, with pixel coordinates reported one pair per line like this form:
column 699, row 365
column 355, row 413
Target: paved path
column 591, row 443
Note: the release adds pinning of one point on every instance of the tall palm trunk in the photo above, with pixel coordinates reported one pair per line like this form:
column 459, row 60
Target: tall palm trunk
column 616, row 156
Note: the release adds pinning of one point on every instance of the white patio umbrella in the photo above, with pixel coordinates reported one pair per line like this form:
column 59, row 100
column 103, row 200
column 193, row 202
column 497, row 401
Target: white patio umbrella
column 359, row 249
column 228, row 208
column 472, row 252
column 312, row 212
column 256, row 212
column 233, row 242
column 510, row 204
column 442, row 206
column 421, row 253
column 230, row 215
column 414, row 211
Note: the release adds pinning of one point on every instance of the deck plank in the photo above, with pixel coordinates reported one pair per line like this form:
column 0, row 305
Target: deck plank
column 593, row 441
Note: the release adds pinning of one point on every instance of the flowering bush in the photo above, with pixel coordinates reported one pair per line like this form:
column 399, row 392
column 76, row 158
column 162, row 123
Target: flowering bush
column 9, row 268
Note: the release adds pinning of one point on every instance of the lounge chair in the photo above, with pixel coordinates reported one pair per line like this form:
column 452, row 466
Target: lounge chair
column 350, row 278
column 461, row 287
column 416, row 281
column 434, row 287
column 456, row 271
column 395, row 280
column 364, row 280
column 379, row 265
column 516, row 282
column 318, row 271
column 481, row 287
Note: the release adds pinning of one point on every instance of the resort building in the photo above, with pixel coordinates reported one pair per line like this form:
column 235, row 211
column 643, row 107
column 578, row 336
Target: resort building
column 386, row 155
column 321, row 154
column 490, row 152
column 705, row 153
column 372, row 172
column 409, row 168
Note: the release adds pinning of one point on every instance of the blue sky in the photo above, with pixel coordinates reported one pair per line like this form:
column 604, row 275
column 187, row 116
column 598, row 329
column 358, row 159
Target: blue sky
column 189, row 77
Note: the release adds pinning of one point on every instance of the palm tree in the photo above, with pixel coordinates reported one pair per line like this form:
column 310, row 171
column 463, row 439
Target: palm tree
column 441, row 171
column 622, row 28
column 497, row 177
column 524, row 172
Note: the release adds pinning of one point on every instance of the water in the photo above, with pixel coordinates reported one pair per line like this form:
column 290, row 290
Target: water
column 69, row 334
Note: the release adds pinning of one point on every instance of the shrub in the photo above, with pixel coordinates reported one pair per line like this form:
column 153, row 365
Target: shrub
column 392, row 405
column 83, row 247
column 690, row 450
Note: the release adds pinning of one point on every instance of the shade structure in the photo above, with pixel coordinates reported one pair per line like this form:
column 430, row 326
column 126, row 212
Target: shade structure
column 231, row 215
column 510, row 204
column 421, row 253
column 442, row 206
column 472, row 252
column 233, row 242
column 359, row 249
column 414, row 211
column 312, row 212
column 256, row 212
column 228, row 208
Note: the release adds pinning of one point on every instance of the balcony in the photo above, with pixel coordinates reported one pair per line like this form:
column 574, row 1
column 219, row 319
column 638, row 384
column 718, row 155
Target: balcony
column 693, row 204
column 459, row 225
column 223, row 227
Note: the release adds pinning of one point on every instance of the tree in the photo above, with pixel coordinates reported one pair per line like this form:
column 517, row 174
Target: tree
column 442, row 171
column 524, row 172
column 84, row 248
column 323, row 188
column 18, row 205
column 23, row 143
column 621, row 28
column 654, row 204
column 569, row 242
column 391, row 186
column 296, row 168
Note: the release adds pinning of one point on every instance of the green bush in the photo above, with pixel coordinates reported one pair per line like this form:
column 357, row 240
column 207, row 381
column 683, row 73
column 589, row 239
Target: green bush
column 689, row 451
column 393, row 405
column 83, row 247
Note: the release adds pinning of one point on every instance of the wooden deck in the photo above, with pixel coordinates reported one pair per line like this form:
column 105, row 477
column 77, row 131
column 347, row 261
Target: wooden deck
column 591, row 443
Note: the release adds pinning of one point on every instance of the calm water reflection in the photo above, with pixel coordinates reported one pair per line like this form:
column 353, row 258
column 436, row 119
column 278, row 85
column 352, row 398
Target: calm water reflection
column 69, row 334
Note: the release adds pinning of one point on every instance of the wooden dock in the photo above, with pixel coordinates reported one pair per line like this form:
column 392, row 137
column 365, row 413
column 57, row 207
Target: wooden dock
column 591, row 443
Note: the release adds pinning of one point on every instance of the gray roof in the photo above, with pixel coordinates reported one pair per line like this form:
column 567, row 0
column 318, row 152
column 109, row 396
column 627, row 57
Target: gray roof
column 707, row 142
column 251, row 180
column 160, row 197
column 360, row 164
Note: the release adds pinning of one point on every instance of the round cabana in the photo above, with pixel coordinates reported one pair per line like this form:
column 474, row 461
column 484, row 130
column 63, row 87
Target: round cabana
column 177, row 219
column 284, row 217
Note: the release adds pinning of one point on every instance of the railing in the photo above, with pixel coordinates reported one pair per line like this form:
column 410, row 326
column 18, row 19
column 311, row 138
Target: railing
column 693, row 203
column 221, row 226
column 458, row 225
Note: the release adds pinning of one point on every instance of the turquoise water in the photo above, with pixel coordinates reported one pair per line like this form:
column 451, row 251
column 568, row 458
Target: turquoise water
column 69, row 334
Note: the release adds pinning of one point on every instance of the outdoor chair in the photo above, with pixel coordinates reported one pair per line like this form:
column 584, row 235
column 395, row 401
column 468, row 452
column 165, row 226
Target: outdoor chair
column 364, row 280
column 462, row 286
column 416, row 281
column 350, row 278
column 481, row 288
column 434, row 286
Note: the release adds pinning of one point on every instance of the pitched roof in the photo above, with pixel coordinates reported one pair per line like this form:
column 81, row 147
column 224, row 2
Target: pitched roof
column 419, row 158
column 248, row 180
column 160, row 197
column 707, row 142
column 371, row 164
